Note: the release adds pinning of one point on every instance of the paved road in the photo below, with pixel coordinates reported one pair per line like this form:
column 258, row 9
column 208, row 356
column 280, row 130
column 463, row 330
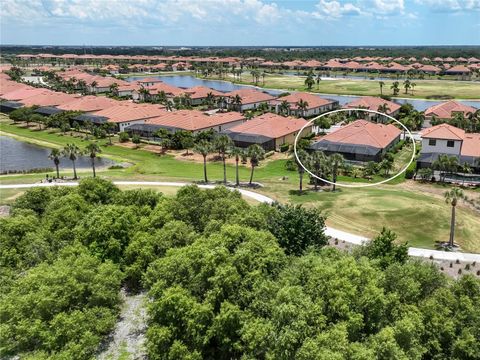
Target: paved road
column 340, row 235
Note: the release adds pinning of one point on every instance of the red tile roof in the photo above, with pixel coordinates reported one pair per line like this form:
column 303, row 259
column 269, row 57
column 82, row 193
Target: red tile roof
column 89, row 104
column 443, row 131
column 372, row 103
column 458, row 68
column 10, row 86
column 49, row 98
column 471, row 145
column 250, row 96
column 201, row 92
column 314, row 101
column 127, row 111
column 193, row 120
column 446, row 110
column 363, row 132
column 22, row 93
column 271, row 125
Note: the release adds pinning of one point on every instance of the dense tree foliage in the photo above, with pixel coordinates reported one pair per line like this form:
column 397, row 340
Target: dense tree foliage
column 226, row 280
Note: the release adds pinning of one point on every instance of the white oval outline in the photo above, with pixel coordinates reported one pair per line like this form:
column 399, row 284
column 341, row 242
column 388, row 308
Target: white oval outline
column 357, row 185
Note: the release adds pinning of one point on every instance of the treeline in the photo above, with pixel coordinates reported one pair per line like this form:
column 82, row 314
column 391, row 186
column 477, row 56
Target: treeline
column 226, row 280
column 270, row 53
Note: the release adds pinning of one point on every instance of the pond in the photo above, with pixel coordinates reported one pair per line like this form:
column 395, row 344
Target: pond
column 186, row 81
column 20, row 156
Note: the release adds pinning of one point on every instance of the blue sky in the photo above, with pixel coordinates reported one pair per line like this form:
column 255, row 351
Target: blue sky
column 240, row 22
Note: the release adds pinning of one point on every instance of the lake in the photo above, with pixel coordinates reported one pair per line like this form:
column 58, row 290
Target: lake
column 19, row 156
column 186, row 81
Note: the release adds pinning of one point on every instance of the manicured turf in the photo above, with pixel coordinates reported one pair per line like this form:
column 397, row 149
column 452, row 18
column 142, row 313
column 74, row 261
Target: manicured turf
column 423, row 89
column 418, row 218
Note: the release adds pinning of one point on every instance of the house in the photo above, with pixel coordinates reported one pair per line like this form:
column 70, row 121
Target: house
column 445, row 139
column 187, row 120
column 249, row 99
column 458, row 70
column 124, row 114
column 198, row 94
column 270, row 131
column 153, row 91
column 89, row 104
column 375, row 104
column 360, row 140
column 446, row 111
column 315, row 104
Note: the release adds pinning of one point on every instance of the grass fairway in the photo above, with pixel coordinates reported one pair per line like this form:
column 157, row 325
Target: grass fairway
column 417, row 217
column 423, row 90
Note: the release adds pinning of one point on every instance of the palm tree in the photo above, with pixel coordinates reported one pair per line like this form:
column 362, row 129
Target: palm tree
column 302, row 105
column 337, row 161
column 204, row 148
column 382, row 84
column 383, row 108
column 255, row 153
column 263, row 107
column 93, row 85
column 55, row 156
column 309, row 81
column 222, row 144
column 93, row 149
column 237, row 152
column 114, row 89
column 237, row 102
column 452, row 197
column 109, row 128
column 72, row 152
column 395, row 87
column 386, row 165
column 144, row 92
column 406, row 85
column 412, row 86
column 318, row 79
column 284, row 107
column 303, row 157
column 317, row 163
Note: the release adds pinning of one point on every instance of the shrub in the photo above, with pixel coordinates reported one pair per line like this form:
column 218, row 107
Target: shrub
column 284, row 147
column 123, row 137
column 411, row 170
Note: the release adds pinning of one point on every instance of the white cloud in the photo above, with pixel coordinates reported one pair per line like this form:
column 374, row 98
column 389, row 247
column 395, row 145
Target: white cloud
column 388, row 6
column 334, row 9
column 451, row 5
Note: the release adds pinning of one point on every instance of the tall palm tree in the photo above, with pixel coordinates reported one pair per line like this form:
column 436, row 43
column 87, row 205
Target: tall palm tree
column 93, row 149
column 114, row 89
column 237, row 152
column 93, row 85
column 309, row 81
column 237, row 102
column 204, row 148
column 317, row 163
column 395, row 87
column 337, row 161
column 302, row 105
column 382, row 84
column 55, row 156
column 72, row 151
column 222, row 144
column 412, row 86
column 318, row 79
column 303, row 157
column 284, row 107
column 452, row 197
column 255, row 153
column 406, row 85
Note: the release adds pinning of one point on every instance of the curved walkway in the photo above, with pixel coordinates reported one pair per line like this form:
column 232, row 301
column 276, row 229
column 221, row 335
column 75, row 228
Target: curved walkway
column 340, row 235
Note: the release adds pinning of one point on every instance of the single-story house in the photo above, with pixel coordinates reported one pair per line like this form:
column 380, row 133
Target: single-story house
column 89, row 104
column 270, row 131
column 124, row 114
column 375, row 104
column 188, row 120
column 445, row 139
column 360, row 140
column 250, row 99
column 198, row 94
column 446, row 111
column 458, row 70
column 315, row 104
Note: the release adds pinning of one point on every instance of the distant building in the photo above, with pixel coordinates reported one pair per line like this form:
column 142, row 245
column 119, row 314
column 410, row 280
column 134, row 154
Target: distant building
column 250, row 99
column 316, row 104
column 446, row 111
column 360, row 140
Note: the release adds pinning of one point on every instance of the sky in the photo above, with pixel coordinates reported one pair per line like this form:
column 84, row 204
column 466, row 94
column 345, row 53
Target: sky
column 240, row 22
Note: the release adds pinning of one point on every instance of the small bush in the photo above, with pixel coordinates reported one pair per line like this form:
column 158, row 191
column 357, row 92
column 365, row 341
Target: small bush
column 459, row 271
column 270, row 153
column 123, row 137
column 467, row 267
column 284, row 147
column 451, row 265
column 457, row 261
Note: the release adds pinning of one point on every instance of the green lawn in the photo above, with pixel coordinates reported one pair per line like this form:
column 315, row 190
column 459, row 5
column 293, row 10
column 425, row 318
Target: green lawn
column 416, row 217
column 423, row 90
